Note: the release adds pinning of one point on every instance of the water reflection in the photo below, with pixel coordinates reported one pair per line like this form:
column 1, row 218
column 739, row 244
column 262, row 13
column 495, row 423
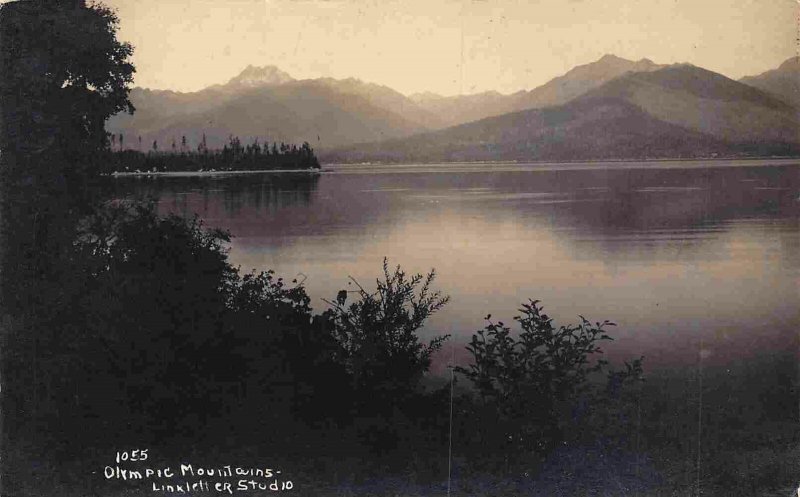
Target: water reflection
column 672, row 254
column 226, row 195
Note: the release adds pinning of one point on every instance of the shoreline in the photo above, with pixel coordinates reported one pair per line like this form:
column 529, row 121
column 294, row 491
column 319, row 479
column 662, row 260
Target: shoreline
column 342, row 167
column 556, row 162
column 178, row 174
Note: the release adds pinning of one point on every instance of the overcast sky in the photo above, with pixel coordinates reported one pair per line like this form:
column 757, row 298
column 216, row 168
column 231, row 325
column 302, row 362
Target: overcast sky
column 446, row 46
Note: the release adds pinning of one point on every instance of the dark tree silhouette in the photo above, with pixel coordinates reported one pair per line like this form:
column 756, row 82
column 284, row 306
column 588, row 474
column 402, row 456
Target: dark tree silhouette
column 232, row 157
column 65, row 73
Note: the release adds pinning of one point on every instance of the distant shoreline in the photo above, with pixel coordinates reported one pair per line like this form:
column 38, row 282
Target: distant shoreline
column 176, row 174
column 557, row 162
column 332, row 167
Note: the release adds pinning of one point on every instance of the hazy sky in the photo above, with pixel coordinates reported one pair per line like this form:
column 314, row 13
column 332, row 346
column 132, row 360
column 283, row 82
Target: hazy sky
column 419, row 45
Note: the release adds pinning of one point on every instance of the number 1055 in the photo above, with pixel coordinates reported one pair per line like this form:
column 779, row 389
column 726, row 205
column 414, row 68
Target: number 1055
column 132, row 455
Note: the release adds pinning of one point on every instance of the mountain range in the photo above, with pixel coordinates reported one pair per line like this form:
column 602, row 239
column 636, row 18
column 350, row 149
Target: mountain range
column 676, row 111
column 610, row 108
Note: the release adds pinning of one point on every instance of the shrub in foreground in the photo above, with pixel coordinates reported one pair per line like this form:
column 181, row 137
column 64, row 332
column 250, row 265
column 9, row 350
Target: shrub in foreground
column 523, row 381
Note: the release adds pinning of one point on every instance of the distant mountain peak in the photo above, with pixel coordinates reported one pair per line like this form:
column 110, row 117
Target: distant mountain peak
column 606, row 67
column 613, row 60
column 255, row 76
column 609, row 65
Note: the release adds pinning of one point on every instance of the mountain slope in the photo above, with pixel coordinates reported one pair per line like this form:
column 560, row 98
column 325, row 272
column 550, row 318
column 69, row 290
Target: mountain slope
column 460, row 109
column 589, row 129
column 581, row 79
column 294, row 112
column 386, row 98
column 783, row 82
column 677, row 111
column 269, row 104
column 707, row 102
column 559, row 90
column 154, row 107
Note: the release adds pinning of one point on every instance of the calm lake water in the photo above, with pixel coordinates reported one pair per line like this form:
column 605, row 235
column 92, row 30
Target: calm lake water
column 681, row 255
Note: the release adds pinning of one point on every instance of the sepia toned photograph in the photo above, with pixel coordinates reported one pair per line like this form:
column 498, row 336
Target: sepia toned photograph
column 407, row 248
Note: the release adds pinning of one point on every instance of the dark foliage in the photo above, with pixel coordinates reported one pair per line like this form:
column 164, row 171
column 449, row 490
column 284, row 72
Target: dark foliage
column 180, row 336
column 153, row 331
column 170, row 359
column 377, row 332
column 64, row 74
column 232, row 157
column 522, row 382
column 382, row 353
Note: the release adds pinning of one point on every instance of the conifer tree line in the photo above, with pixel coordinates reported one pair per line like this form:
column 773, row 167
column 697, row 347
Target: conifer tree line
column 177, row 156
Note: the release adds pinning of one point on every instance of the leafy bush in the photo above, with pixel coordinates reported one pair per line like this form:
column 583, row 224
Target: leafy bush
column 384, row 357
column 521, row 381
column 377, row 332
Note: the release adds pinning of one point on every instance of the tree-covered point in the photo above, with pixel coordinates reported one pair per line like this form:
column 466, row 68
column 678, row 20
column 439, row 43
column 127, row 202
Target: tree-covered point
column 232, row 157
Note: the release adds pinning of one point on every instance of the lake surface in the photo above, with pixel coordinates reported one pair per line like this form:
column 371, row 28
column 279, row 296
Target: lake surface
column 683, row 256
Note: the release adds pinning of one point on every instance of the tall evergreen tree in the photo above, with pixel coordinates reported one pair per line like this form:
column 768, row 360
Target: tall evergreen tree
column 65, row 73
